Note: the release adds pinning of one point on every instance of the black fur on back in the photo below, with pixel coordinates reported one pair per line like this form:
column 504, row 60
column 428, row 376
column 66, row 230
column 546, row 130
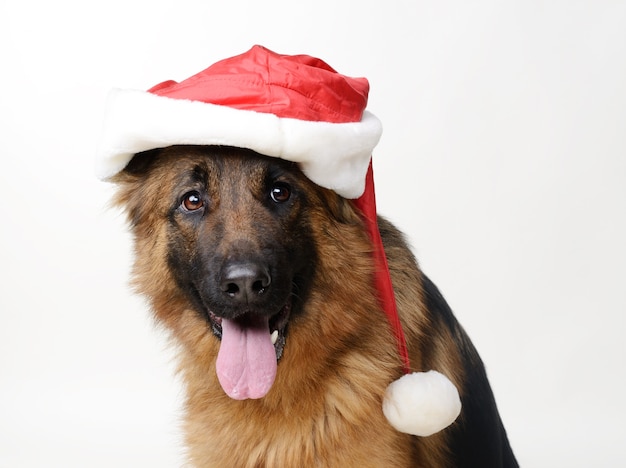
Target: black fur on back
column 478, row 438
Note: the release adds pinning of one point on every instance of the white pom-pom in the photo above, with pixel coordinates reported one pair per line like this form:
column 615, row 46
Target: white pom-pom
column 421, row 403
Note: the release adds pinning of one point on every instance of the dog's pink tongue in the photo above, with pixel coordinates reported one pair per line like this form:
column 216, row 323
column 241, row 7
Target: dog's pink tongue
column 246, row 362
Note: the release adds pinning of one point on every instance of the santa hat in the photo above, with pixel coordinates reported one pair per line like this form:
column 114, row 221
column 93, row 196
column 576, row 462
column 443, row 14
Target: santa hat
column 296, row 108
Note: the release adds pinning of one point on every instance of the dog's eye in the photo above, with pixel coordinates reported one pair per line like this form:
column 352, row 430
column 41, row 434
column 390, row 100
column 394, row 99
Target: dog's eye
column 192, row 201
column 281, row 192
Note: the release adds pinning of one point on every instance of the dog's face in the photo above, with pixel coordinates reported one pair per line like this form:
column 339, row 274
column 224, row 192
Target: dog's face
column 239, row 247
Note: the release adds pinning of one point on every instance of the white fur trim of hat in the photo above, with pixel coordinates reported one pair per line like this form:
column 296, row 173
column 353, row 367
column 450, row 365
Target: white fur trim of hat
column 333, row 155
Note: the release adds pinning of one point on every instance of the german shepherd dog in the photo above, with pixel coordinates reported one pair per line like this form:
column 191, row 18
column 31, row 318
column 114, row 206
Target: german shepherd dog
column 228, row 239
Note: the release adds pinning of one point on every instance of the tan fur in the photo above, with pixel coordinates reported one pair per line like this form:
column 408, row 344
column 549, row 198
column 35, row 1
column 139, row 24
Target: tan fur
column 324, row 408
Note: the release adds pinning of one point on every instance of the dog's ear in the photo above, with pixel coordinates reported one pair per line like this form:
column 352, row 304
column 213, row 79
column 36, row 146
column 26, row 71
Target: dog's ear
column 347, row 211
column 131, row 187
column 140, row 164
column 340, row 208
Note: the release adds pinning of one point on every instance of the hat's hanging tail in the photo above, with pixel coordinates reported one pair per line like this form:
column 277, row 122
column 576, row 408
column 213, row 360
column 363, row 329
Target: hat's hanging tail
column 366, row 203
column 418, row 403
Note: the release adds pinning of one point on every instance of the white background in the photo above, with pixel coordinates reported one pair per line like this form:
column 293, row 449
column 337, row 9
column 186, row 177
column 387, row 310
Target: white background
column 503, row 157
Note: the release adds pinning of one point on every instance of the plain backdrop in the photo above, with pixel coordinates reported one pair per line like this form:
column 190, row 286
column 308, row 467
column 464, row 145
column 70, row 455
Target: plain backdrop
column 503, row 158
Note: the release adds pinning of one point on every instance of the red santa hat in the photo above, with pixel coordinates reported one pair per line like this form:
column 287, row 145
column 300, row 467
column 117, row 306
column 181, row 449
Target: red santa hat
column 292, row 107
column 300, row 109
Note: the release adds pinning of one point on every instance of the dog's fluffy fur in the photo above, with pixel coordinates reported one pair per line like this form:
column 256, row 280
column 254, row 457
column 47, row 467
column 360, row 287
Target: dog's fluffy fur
column 195, row 209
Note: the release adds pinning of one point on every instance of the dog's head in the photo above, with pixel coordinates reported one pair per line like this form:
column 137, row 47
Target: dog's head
column 231, row 232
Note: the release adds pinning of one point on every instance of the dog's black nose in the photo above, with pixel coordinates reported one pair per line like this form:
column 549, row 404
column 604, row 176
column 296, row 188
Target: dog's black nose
column 245, row 282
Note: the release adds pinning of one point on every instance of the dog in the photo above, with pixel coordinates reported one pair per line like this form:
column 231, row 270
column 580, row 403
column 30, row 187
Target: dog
column 230, row 246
